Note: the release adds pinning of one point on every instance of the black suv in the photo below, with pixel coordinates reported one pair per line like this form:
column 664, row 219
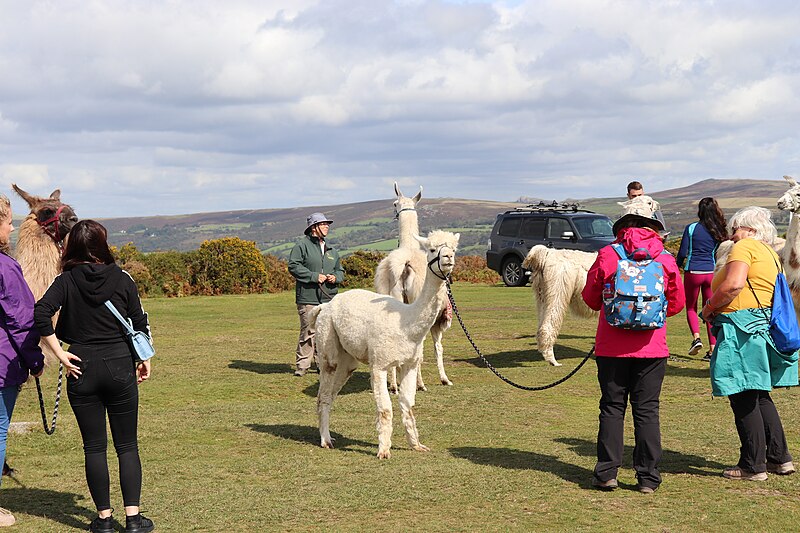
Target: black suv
column 555, row 225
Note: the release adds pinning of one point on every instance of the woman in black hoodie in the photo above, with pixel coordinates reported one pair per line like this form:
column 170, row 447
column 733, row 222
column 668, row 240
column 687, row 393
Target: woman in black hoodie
column 103, row 374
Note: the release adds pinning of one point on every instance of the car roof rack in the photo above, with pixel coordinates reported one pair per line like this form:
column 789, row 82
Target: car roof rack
column 554, row 206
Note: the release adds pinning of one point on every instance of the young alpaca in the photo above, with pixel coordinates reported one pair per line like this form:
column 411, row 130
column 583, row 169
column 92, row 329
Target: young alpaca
column 557, row 279
column 401, row 275
column 41, row 236
column 384, row 333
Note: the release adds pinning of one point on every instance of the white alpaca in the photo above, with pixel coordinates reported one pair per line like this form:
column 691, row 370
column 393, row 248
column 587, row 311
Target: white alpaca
column 401, row 275
column 384, row 333
column 790, row 254
column 557, row 279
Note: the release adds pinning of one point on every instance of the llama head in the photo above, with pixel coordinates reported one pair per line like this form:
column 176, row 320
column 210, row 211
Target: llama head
column 440, row 247
column 55, row 217
column 642, row 205
column 790, row 201
column 403, row 203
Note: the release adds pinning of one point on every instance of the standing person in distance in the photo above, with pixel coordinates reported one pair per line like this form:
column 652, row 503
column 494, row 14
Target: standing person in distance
column 102, row 372
column 698, row 250
column 19, row 340
column 631, row 363
column 318, row 272
column 746, row 365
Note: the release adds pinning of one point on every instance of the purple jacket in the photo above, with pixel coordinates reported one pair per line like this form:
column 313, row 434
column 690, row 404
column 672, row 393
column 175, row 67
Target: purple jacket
column 19, row 339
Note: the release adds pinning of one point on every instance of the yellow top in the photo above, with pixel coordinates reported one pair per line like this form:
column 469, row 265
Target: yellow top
column 761, row 259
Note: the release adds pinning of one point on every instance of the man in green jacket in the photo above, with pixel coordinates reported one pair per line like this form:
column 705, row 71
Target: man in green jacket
column 318, row 272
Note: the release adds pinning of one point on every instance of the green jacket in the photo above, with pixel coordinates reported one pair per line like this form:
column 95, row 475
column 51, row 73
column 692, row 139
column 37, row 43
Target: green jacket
column 745, row 357
column 306, row 263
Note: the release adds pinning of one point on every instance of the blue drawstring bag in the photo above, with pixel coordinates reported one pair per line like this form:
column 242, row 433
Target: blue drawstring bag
column 783, row 326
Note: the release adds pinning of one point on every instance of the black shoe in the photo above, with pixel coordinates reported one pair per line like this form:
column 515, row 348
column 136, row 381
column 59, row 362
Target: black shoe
column 138, row 524
column 696, row 346
column 707, row 356
column 102, row 525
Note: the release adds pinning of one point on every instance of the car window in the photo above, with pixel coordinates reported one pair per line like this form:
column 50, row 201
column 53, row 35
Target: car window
column 556, row 227
column 509, row 227
column 593, row 227
column 533, row 227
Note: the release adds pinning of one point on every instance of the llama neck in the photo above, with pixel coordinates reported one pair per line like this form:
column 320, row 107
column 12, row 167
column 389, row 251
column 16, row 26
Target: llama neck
column 426, row 308
column 409, row 227
column 791, row 261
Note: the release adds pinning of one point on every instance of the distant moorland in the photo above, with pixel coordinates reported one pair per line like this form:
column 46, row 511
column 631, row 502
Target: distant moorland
column 371, row 225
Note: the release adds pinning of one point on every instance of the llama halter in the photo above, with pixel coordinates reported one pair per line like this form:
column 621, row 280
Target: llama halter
column 54, row 219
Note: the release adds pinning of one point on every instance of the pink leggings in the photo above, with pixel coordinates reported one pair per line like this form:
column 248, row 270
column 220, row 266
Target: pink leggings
column 692, row 285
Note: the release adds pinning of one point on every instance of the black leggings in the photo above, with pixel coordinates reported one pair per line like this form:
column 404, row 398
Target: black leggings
column 107, row 383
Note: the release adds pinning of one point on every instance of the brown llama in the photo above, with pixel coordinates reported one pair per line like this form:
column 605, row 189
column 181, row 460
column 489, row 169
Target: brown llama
column 41, row 237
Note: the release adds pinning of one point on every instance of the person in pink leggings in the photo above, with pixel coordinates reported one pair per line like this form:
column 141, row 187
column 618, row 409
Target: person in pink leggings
column 698, row 248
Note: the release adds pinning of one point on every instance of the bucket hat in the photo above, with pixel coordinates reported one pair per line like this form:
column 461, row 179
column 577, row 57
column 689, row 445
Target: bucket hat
column 315, row 218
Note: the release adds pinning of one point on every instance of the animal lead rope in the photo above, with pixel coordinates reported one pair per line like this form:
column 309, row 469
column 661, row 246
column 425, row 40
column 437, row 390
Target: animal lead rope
column 492, row 368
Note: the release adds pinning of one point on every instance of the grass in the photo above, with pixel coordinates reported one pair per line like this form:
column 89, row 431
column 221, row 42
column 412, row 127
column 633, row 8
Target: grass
column 229, row 441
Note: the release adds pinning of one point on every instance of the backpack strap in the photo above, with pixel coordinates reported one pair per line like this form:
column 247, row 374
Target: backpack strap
column 620, row 251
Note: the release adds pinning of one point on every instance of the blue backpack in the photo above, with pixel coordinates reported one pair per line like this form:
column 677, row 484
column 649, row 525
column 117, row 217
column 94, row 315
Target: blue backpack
column 636, row 300
column 783, row 326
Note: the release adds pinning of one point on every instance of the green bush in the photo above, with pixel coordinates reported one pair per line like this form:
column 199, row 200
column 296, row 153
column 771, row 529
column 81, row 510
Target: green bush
column 171, row 272
column 229, row 265
column 278, row 277
column 359, row 269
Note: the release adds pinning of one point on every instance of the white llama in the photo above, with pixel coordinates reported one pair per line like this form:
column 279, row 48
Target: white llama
column 557, row 279
column 384, row 333
column 401, row 275
column 790, row 254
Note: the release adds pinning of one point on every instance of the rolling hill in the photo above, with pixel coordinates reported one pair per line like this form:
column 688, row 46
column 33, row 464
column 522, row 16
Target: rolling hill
column 371, row 225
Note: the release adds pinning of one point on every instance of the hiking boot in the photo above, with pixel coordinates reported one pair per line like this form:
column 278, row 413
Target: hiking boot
column 696, row 346
column 783, row 469
column 737, row 473
column 6, row 518
column 645, row 490
column 707, row 357
column 138, row 524
column 608, row 486
column 102, row 525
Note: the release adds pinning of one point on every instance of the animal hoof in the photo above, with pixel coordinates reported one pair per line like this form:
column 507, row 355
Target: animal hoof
column 423, row 388
column 553, row 362
column 328, row 444
column 421, row 448
column 392, row 391
column 447, row 382
column 386, row 454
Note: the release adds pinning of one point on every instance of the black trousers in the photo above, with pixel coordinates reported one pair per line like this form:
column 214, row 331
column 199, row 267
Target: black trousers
column 637, row 379
column 760, row 430
column 107, row 385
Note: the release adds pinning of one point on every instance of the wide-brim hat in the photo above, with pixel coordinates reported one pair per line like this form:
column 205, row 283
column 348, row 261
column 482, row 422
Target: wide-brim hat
column 315, row 218
column 637, row 221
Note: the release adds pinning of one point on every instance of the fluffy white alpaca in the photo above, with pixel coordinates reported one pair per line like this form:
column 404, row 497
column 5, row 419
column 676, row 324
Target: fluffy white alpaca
column 557, row 279
column 383, row 332
column 401, row 275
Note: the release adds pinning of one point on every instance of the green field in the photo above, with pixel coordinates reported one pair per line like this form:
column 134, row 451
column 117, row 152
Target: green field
column 229, row 439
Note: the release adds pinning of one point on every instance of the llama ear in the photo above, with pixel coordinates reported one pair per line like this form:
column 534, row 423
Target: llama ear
column 397, row 191
column 457, row 236
column 56, row 195
column 623, row 204
column 791, row 180
column 25, row 196
column 422, row 240
column 418, row 195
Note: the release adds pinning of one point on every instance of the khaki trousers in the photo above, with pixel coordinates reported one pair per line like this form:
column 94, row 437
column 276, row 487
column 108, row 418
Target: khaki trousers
column 306, row 351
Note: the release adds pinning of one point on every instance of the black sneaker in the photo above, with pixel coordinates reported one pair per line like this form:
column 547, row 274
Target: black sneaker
column 102, row 525
column 707, row 356
column 696, row 346
column 138, row 524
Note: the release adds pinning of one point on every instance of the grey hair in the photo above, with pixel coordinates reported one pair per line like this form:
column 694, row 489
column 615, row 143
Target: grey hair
column 757, row 218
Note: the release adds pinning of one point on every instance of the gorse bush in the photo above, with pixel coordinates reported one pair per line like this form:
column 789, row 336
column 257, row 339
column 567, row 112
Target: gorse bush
column 279, row 279
column 229, row 266
column 359, row 269
column 473, row 269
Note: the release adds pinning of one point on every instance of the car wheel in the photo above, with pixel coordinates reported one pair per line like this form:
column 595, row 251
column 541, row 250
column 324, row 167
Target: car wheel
column 512, row 273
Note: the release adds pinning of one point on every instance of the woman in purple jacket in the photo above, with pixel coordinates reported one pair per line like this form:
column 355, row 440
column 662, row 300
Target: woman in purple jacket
column 19, row 339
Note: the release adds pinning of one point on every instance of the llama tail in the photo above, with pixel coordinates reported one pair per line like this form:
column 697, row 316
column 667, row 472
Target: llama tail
column 314, row 313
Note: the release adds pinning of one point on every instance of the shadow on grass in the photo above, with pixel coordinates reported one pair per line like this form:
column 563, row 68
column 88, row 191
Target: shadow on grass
column 61, row 507
column 358, row 382
column 525, row 460
column 310, row 435
column 672, row 462
column 261, row 368
column 699, row 371
column 515, row 359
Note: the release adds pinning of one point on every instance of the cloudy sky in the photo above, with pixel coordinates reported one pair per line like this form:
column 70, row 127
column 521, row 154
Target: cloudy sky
column 165, row 107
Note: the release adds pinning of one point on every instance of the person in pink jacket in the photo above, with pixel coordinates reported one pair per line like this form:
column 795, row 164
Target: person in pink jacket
column 631, row 363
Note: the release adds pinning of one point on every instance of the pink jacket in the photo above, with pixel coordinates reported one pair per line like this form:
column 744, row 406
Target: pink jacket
column 617, row 342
